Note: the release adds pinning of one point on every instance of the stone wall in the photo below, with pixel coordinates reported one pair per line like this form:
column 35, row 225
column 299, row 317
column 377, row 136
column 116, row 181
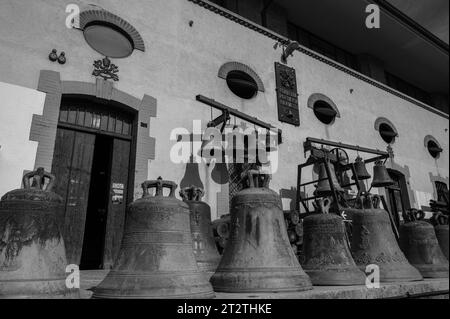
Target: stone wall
column 182, row 61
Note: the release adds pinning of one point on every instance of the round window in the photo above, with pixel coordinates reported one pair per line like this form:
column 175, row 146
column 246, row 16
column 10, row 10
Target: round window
column 242, row 84
column 108, row 40
column 324, row 112
column 387, row 133
column 434, row 149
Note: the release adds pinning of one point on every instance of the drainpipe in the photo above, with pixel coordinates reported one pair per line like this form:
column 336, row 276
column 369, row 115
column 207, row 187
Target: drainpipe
column 267, row 4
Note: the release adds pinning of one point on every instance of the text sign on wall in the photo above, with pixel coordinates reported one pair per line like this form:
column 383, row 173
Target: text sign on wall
column 287, row 95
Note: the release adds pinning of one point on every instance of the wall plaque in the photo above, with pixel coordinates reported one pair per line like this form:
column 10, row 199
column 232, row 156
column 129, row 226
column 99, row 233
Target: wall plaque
column 287, row 96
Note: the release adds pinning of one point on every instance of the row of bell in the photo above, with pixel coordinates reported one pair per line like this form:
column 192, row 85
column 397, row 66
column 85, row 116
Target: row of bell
column 167, row 261
column 328, row 259
column 257, row 258
column 381, row 177
column 167, row 247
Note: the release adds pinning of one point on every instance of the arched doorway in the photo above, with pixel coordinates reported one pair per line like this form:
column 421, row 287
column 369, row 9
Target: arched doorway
column 93, row 159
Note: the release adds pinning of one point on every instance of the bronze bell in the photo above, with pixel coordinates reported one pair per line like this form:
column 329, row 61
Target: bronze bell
column 441, row 230
column 323, row 186
column 345, row 180
column 326, row 255
column 374, row 243
column 381, row 176
column 258, row 256
column 204, row 245
column 361, row 170
column 156, row 259
column 420, row 245
column 32, row 253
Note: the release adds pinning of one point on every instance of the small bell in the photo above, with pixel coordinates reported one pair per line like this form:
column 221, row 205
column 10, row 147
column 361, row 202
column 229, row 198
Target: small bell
column 323, row 187
column 361, row 170
column 211, row 146
column 381, row 176
column 345, row 181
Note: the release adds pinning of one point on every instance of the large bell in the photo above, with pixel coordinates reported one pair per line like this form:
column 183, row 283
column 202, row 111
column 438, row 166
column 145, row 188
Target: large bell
column 204, row 245
column 258, row 256
column 32, row 253
column 381, row 176
column 420, row 245
column 441, row 230
column 156, row 259
column 361, row 170
column 374, row 243
column 323, row 186
column 326, row 255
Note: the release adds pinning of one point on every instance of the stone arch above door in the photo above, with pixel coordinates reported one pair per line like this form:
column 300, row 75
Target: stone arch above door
column 44, row 127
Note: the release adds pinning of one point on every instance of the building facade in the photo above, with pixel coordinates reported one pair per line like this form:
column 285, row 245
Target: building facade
column 111, row 122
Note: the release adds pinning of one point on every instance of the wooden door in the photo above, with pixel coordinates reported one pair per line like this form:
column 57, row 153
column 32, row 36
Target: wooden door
column 72, row 165
column 118, row 200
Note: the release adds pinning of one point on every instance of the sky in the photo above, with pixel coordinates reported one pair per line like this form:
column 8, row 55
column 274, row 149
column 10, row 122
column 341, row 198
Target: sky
column 431, row 14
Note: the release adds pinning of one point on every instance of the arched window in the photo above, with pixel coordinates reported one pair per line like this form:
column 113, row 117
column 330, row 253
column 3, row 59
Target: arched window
column 387, row 130
column 324, row 108
column 242, row 84
column 241, row 80
column 433, row 146
column 109, row 34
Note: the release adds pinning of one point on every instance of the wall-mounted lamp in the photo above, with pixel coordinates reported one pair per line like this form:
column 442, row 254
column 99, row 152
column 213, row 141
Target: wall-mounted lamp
column 288, row 49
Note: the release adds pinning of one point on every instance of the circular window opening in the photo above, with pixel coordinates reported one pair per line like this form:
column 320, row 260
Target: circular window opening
column 434, row 149
column 108, row 40
column 242, row 84
column 324, row 112
column 387, row 133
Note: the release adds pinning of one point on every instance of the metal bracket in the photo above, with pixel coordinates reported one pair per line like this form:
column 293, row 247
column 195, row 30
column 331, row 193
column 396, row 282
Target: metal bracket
column 240, row 115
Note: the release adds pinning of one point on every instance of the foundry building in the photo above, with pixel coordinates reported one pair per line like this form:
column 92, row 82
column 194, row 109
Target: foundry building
column 101, row 94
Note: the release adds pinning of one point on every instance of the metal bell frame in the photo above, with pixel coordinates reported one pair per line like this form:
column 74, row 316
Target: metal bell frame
column 318, row 154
